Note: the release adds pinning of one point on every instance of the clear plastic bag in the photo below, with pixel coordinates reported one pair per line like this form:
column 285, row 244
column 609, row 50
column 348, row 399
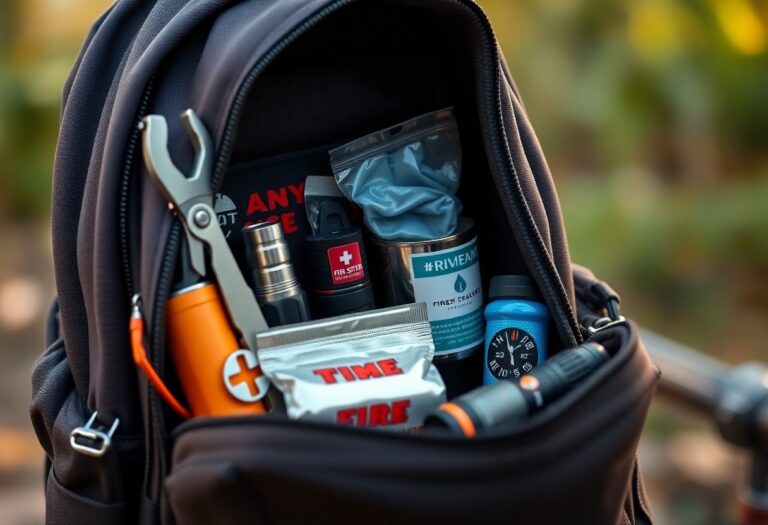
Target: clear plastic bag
column 405, row 177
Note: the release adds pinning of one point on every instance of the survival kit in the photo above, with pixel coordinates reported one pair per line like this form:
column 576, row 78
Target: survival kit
column 331, row 355
column 311, row 268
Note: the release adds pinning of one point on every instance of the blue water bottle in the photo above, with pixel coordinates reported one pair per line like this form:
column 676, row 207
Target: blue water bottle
column 516, row 328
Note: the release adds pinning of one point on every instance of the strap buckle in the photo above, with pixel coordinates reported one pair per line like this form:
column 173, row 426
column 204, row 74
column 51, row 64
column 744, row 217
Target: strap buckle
column 100, row 441
column 609, row 300
column 605, row 322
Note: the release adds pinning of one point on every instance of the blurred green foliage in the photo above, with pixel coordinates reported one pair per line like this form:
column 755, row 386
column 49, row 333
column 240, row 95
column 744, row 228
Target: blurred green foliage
column 653, row 114
column 654, row 117
column 690, row 263
column 39, row 40
column 677, row 86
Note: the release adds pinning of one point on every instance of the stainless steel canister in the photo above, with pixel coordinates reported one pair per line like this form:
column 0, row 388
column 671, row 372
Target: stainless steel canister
column 270, row 261
column 281, row 298
column 443, row 273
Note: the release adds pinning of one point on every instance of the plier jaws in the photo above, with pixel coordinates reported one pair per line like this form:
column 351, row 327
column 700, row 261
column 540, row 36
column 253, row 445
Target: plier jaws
column 182, row 193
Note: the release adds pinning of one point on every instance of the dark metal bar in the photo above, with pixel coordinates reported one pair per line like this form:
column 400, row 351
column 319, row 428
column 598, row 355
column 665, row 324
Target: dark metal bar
column 687, row 376
column 735, row 398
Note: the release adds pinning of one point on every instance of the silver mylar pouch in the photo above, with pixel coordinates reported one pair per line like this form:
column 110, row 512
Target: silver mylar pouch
column 371, row 369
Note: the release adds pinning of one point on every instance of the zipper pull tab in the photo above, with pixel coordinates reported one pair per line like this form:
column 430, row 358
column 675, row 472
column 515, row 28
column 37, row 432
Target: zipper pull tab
column 136, row 306
column 136, row 329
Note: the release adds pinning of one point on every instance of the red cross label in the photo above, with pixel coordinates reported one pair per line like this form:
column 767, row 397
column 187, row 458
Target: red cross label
column 346, row 263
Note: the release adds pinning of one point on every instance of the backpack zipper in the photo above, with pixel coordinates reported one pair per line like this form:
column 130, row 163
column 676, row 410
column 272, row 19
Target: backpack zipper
column 125, row 182
column 154, row 405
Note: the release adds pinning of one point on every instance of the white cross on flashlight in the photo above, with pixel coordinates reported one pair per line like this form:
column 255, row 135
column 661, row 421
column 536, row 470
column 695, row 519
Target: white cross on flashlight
column 346, row 257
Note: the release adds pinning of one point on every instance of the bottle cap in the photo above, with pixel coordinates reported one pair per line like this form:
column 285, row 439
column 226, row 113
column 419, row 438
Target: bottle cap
column 514, row 287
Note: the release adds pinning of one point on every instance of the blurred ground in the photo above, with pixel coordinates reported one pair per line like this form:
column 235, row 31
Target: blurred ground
column 654, row 119
column 26, row 288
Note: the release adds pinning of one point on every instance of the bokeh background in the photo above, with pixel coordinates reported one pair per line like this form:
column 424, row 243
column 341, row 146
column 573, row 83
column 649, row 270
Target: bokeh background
column 654, row 117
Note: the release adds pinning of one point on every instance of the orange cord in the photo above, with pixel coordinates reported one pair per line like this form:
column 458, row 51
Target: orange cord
column 140, row 358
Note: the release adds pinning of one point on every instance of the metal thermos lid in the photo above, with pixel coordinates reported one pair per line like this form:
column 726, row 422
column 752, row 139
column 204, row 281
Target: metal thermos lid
column 513, row 287
column 269, row 259
column 266, row 244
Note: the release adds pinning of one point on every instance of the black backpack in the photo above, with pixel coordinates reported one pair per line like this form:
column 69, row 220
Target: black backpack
column 270, row 78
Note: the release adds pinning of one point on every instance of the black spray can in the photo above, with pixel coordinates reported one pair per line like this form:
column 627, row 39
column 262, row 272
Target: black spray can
column 338, row 266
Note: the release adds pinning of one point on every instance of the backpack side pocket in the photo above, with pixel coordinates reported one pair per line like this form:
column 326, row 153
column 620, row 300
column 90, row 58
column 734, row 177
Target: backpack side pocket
column 591, row 310
column 79, row 488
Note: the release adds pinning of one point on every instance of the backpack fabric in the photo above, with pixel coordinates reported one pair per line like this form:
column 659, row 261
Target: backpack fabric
column 270, row 78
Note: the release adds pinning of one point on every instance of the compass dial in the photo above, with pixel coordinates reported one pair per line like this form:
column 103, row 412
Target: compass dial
column 511, row 353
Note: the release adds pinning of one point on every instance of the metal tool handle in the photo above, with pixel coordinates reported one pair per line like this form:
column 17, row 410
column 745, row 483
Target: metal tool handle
column 192, row 197
column 238, row 297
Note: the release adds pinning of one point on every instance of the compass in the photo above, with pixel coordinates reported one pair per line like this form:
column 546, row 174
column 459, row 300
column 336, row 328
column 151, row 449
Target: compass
column 512, row 352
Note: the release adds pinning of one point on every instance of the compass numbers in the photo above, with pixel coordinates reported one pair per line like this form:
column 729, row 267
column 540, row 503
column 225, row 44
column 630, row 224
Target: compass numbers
column 498, row 369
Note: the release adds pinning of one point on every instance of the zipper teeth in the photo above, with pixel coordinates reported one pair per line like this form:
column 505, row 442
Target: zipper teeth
column 156, row 347
column 125, row 188
column 534, row 235
column 130, row 158
column 163, row 290
column 549, row 266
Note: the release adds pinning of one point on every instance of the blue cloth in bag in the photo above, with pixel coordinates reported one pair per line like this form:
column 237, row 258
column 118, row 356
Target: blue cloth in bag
column 405, row 177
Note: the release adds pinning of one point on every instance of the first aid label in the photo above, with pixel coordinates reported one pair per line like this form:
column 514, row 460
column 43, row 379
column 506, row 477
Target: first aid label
column 346, row 263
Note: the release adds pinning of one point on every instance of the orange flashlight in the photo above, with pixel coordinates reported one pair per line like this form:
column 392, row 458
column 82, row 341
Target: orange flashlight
column 218, row 376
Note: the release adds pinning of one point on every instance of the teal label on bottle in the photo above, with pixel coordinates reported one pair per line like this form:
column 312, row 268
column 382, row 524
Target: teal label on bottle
column 448, row 281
